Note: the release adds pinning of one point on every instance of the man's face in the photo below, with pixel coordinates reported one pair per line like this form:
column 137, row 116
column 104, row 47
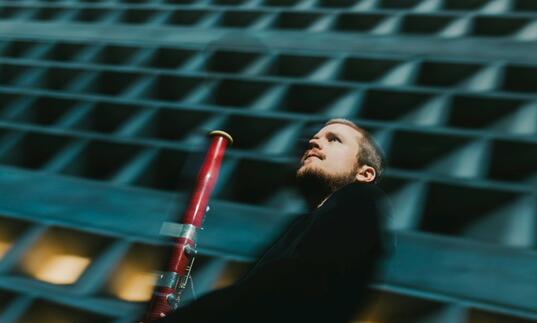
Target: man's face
column 332, row 154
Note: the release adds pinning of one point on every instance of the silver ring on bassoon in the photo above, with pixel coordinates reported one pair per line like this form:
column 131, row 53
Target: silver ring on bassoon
column 168, row 279
column 178, row 230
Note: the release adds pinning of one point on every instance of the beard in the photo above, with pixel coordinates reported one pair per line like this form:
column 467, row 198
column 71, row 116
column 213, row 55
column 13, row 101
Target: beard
column 315, row 184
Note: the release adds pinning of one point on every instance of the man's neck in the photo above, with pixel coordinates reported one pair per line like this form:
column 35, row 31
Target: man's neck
column 316, row 190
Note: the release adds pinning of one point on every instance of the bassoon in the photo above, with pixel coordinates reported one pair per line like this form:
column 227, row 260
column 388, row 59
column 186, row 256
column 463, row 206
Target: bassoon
column 171, row 283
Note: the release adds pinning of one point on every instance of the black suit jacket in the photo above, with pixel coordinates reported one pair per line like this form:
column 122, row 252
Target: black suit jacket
column 317, row 271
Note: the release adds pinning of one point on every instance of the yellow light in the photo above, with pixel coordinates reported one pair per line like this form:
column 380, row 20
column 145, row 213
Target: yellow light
column 137, row 287
column 4, row 247
column 62, row 269
column 133, row 284
column 233, row 271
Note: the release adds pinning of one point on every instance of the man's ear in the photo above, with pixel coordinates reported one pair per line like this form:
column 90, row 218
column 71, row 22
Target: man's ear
column 366, row 174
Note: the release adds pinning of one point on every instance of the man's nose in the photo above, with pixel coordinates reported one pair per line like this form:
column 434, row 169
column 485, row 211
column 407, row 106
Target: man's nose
column 314, row 143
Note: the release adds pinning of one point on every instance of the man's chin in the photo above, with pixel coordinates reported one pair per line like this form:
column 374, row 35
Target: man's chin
column 311, row 175
column 312, row 183
column 309, row 170
column 300, row 170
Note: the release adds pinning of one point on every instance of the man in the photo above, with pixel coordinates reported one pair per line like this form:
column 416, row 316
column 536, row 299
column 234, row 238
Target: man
column 318, row 270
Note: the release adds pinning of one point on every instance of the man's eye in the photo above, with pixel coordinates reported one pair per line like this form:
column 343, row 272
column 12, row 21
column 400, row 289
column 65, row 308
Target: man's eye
column 334, row 139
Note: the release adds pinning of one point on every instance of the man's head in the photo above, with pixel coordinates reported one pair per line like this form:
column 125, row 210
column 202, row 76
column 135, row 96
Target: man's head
column 341, row 153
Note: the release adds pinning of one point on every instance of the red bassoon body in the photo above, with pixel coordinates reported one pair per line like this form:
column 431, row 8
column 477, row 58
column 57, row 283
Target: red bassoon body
column 172, row 282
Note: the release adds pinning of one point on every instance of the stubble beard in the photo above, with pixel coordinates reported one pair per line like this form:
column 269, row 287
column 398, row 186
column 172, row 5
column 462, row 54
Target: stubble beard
column 316, row 184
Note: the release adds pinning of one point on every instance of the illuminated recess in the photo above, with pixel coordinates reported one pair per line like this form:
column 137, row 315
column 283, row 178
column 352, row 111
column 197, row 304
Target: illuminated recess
column 4, row 247
column 137, row 286
column 135, row 277
column 231, row 273
column 61, row 256
column 62, row 269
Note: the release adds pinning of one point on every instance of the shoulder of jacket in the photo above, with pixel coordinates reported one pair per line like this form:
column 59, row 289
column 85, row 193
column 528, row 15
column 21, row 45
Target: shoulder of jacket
column 359, row 198
column 359, row 191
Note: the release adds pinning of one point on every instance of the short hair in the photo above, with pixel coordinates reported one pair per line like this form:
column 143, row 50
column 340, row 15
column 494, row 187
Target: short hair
column 370, row 153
